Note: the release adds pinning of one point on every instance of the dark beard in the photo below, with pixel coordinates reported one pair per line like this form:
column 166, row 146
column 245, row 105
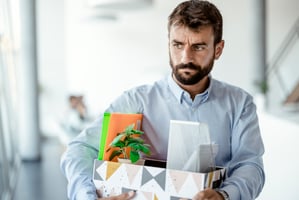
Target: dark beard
column 197, row 77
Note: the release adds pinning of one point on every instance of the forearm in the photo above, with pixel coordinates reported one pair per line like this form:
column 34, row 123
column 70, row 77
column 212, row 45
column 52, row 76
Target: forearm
column 245, row 170
column 77, row 164
column 244, row 182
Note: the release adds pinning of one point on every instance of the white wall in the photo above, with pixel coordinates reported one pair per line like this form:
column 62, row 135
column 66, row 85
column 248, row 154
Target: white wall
column 51, row 62
column 106, row 57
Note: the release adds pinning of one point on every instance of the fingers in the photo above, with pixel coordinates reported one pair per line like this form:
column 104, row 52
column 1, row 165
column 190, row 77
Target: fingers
column 207, row 194
column 124, row 196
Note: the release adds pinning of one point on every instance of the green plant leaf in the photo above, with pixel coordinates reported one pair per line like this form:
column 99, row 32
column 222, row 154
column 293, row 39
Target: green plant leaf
column 128, row 138
column 135, row 140
column 145, row 149
column 134, row 156
column 116, row 139
column 119, row 144
column 134, row 146
column 115, row 153
column 137, row 132
column 129, row 128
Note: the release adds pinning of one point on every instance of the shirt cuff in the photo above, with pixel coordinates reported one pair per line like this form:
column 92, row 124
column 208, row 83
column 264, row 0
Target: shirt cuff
column 232, row 191
column 84, row 194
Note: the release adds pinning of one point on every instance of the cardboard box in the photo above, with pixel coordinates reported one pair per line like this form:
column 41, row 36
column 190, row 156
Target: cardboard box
column 152, row 183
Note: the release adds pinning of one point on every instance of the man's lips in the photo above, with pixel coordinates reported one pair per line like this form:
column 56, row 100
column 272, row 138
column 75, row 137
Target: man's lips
column 187, row 70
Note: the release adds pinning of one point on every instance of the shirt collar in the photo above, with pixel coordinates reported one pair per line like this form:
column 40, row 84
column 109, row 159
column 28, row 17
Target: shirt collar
column 179, row 92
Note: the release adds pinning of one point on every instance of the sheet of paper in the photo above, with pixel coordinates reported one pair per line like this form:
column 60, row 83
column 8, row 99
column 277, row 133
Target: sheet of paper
column 202, row 159
column 189, row 147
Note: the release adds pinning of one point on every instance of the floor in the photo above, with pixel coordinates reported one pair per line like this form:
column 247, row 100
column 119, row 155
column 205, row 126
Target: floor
column 43, row 180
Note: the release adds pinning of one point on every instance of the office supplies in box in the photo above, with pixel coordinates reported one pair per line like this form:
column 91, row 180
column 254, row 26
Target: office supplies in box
column 114, row 123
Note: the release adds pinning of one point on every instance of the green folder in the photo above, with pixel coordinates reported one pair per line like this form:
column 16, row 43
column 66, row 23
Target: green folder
column 105, row 126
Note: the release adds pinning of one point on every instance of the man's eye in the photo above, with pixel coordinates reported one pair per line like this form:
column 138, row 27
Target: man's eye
column 198, row 47
column 178, row 46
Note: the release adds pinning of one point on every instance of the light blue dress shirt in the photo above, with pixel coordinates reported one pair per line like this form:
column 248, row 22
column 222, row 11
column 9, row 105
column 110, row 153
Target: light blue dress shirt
column 228, row 110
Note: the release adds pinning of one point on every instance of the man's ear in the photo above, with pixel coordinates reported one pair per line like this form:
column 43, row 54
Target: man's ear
column 218, row 49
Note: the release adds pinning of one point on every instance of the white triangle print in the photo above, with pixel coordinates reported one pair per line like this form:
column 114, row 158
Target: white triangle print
column 154, row 171
column 101, row 170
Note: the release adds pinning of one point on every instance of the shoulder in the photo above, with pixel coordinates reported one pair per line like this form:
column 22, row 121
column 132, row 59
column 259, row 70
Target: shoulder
column 224, row 88
column 135, row 99
column 230, row 94
column 150, row 88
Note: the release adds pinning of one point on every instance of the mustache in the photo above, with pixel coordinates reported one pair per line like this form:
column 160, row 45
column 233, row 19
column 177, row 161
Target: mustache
column 188, row 66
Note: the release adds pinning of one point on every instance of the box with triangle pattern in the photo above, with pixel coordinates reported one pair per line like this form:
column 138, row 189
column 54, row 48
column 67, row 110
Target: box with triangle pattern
column 152, row 183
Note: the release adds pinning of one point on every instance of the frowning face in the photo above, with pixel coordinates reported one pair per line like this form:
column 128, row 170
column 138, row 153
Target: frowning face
column 192, row 53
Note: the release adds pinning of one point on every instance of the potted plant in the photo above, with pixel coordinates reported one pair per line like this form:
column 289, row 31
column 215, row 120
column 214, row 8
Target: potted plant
column 128, row 145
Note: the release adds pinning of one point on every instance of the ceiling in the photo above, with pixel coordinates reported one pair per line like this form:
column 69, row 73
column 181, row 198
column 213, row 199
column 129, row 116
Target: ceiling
column 120, row 4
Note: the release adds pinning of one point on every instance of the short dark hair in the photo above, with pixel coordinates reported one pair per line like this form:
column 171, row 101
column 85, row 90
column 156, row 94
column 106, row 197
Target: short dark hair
column 196, row 13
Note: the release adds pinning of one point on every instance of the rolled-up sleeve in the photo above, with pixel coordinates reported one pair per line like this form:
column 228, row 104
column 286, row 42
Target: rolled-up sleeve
column 245, row 170
column 77, row 164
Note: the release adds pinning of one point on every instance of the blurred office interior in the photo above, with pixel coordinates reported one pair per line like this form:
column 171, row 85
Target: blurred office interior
column 95, row 49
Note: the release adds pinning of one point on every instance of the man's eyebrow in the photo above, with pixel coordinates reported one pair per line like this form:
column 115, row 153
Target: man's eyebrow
column 197, row 43
column 176, row 41
column 200, row 44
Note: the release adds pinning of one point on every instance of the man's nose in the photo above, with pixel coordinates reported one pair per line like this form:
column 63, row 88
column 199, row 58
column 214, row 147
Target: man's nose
column 187, row 55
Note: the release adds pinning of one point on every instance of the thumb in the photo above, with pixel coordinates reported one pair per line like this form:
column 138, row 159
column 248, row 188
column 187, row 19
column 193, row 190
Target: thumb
column 124, row 196
column 128, row 195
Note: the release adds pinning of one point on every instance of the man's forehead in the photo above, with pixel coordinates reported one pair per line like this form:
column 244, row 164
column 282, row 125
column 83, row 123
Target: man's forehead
column 180, row 27
column 177, row 31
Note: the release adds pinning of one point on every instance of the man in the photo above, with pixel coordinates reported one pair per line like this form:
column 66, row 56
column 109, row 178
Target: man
column 190, row 94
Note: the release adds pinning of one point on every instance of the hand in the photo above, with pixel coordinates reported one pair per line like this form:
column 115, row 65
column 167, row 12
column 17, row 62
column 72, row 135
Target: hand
column 124, row 196
column 208, row 194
